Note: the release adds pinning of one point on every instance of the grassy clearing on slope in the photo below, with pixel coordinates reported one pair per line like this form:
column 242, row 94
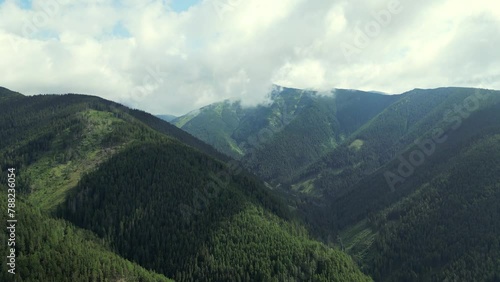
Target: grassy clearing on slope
column 54, row 174
column 305, row 187
column 356, row 144
column 358, row 239
column 234, row 147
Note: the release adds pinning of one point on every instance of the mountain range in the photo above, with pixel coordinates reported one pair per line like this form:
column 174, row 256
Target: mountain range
column 343, row 185
column 407, row 184
column 107, row 193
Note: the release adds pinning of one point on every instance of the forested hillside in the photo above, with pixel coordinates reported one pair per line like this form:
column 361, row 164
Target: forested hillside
column 418, row 201
column 279, row 140
column 55, row 139
column 54, row 250
column 408, row 187
column 148, row 192
column 448, row 229
column 406, row 125
column 171, row 212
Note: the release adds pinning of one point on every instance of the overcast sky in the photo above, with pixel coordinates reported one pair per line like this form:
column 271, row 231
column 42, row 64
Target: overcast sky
column 176, row 56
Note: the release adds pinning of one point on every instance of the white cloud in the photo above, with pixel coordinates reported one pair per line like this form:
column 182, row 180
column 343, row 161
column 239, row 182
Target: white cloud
column 170, row 62
column 302, row 73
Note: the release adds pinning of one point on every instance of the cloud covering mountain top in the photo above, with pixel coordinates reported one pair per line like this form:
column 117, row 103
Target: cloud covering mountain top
column 164, row 57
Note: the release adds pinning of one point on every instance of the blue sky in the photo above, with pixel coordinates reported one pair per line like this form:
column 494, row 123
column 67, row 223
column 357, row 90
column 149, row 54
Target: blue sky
column 119, row 30
column 25, row 4
column 183, row 5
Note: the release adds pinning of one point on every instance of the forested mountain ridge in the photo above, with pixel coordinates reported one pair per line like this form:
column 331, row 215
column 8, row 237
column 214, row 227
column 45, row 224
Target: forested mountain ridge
column 6, row 93
column 441, row 223
column 193, row 221
column 152, row 193
column 396, row 190
column 391, row 131
column 60, row 137
column 398, row 202
column 409, row 188
column 35, row 140
column 295, row 129
column 416, row 117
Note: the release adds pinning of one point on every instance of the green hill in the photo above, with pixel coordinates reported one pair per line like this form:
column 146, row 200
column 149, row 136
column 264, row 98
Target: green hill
column 143, row 189
column 279, row 140
column 172, row 212
column 6, row 93
column 56, row 139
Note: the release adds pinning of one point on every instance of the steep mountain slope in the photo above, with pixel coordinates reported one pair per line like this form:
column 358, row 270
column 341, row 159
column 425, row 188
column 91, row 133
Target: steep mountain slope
column 322, row 124
column 53, row 250
column 214, row 124
column 408, row 123
column 7, row 93
column 410, row 191
column 59, row 138
column 400, row 201
column 167, row 205
column 278, row 140
column 183, row 214
column 449, row 229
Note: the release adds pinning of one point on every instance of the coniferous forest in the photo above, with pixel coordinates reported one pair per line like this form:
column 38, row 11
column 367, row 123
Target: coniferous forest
column 438, row 222
column 109, row 193
column 304, row 189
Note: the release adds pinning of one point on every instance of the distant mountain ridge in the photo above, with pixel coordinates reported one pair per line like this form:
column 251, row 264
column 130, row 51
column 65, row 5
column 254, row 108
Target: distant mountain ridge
column 168, row 118
column 299, row 124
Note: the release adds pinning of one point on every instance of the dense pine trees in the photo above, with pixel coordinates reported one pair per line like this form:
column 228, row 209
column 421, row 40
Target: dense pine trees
column 153, row 204
column 449, row 230
column 48, row 249
column 279, row 140
column 140, row 189
column 437, row 225
column 148, row 192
